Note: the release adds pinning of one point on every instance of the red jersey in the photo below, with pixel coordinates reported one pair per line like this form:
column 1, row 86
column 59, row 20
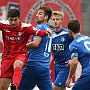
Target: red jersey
column 15, row 39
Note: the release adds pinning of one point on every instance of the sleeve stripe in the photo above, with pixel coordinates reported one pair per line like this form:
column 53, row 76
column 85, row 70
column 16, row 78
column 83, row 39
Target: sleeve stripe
column 37, row 32
column 74, row 55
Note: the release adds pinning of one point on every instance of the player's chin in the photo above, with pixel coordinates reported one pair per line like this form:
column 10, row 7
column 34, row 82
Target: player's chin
column 55, row 26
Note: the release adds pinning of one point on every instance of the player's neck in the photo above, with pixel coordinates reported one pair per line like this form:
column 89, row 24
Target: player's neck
column 74, row 35
column 44, row 22
column 58, row 29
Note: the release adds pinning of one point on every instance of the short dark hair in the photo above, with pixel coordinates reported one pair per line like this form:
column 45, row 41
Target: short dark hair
column 14, row 13
column 48, row 11
column 74, row 26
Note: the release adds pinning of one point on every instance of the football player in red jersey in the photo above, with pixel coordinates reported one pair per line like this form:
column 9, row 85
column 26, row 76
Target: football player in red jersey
column 15, row 36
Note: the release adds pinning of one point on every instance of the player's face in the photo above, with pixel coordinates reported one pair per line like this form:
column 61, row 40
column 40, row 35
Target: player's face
column 40, row 16
column 56, row 21
column 14, row 21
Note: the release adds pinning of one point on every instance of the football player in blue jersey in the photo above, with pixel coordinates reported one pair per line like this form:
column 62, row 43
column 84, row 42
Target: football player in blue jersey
column 37, row 70
column 60, row 45
column 80, row 51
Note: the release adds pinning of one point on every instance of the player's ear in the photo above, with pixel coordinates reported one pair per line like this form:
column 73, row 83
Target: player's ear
column 62, row 20
column 46, row 17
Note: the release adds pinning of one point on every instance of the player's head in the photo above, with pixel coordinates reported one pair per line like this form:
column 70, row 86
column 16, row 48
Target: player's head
column 74, row 27
column 57, row 19
column 14, row 17
column 43, row 14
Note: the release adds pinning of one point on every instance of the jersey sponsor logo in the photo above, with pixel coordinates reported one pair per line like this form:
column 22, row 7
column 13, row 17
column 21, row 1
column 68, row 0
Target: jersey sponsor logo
column 58, row 47
column 12, row 38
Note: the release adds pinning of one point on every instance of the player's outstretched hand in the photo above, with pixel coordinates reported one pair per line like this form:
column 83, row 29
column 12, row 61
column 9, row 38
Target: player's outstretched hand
column 49, row 31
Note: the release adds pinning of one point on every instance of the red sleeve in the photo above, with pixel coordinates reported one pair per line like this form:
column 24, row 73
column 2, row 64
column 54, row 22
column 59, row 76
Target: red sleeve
column 1, row 26
column 34, row 31
column 3, row 23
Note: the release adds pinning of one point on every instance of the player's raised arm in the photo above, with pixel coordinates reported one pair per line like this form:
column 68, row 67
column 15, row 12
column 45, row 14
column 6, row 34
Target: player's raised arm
column 33, row 31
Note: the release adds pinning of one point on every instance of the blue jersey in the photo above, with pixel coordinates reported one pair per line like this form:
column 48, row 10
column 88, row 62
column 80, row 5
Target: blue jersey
column 37, row 70
column 42, row 53
column 80, row 47
column 60, row 46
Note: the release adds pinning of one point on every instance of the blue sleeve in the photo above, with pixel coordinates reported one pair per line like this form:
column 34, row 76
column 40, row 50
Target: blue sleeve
column 73, row 50
column 75, row 54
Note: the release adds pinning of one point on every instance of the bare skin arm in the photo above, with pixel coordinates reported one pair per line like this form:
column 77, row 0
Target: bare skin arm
column 35, row 43
column 73, row 65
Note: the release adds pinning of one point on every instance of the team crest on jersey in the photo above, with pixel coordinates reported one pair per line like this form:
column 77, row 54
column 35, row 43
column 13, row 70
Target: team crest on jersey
column 19, row 33
column 62, row 39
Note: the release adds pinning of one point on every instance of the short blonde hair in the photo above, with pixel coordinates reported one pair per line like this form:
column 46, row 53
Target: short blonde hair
column 58, row 13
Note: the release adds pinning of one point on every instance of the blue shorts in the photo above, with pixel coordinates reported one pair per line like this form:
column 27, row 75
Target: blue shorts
column 35, row 75
column 82, row 83
column 61, row 74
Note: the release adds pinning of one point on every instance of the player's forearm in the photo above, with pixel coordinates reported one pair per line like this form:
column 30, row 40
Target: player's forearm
column 72, row 69
column 73, row 64
column 30, row 45
column 34, row 44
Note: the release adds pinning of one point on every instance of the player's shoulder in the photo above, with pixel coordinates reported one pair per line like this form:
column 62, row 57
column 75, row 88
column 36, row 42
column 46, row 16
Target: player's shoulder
column 25, row 25
column 65, row 30
column 73, row 44
column 42, row 26
column 39, row 26
column 4, row 22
